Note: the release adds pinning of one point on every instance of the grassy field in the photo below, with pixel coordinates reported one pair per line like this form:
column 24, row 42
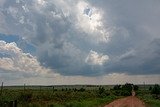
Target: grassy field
column 69, row 96
column 57, row 96
column 148, row 98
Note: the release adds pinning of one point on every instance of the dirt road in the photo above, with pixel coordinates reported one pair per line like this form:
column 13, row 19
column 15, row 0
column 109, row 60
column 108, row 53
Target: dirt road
column 130, row 101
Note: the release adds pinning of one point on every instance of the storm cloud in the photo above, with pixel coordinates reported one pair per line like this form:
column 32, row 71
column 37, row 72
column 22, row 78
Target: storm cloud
column 88, row 38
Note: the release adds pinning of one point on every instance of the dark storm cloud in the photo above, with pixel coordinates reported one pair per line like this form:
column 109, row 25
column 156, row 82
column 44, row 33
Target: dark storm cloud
column 51, row 26
column 142, row 61
column 137, row 23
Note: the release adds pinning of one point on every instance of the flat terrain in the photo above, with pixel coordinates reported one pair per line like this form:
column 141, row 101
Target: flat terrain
column 78, row 96
column 130, row 101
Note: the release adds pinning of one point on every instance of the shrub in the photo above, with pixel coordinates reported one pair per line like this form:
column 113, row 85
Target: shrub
column 127, row 87
column 101, row 90
column 74, row 89
column 117, row 92
column 124, row 90
column 81, row 89
column 156, row 91
column 125, row 93
column 117, row 87
column 136, row 87
column 150, row 88
column 25, row 96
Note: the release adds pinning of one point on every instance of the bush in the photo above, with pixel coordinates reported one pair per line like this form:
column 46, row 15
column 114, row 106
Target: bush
column 156, row 91
column 25, row 96
column 127, row 87
column 101, row 90
column 136, row 87
column 117, row 87
column 150, row 88
column 125, row 93
column 117, row 93
column 124, row 90
column 81, row 89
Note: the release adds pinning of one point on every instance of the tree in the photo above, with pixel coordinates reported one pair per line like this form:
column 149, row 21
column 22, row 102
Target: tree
column 150, row 88
column 127, row 89
column 101, row 90
column 81, row 89
column 156, row 89
column 136, row 87
column 117, row 87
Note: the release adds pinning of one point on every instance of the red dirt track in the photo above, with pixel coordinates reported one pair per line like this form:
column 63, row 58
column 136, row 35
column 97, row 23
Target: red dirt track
column 131, row 101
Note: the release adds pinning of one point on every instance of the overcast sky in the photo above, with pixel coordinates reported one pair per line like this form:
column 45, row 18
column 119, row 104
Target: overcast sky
column 79, row 41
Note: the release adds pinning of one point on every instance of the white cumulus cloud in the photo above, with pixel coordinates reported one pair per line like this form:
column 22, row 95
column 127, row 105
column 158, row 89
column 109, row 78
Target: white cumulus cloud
column 18, row 61
column 95, row 58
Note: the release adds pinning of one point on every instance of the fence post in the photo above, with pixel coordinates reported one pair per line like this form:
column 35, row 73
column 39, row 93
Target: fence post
column 1, row 88
column 11, row 104
column 53, row 89
column 40, row 88
column 24, row 87
column 15, row 103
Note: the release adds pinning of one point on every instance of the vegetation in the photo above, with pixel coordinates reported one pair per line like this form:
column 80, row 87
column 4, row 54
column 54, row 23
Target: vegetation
column 156, row 90
column 124, row 90
column 75, row 96
column 150, row 96
column 60, row 97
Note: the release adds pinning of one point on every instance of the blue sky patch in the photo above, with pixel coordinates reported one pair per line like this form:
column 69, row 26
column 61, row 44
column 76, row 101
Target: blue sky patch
column 26, row 47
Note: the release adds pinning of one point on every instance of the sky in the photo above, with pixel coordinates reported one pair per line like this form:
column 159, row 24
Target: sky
column 48, row 42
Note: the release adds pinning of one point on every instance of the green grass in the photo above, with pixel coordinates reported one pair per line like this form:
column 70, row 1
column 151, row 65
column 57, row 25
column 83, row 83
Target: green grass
column 39, row 96
column 91, row 102
column 97, row 102
column 49, row 98
column 149, row 100
column 153, row 103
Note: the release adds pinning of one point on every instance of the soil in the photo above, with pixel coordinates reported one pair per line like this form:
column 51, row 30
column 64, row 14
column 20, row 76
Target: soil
column 131, row 101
